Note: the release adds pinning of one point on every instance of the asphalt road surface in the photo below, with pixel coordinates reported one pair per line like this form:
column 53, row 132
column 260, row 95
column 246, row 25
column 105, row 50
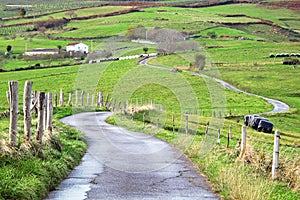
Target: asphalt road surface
column 121, row 164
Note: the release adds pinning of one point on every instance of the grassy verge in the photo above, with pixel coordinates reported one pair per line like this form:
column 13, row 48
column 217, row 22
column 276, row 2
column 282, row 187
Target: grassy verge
column 30, row 171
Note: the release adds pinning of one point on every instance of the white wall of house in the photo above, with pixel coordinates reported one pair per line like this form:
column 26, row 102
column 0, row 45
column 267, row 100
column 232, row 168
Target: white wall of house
column 29, row 53
column 78, row 47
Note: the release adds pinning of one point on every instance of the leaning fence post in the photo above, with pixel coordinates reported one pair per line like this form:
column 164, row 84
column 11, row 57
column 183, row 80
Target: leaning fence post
column 276, row 153
column 40, row 128
column 206, row 129
column 243, row 144
column 49, row 113
column 13, row 97
column 26, row 109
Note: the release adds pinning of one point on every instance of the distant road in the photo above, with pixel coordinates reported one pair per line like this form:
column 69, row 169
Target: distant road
column 279, row 106
column 126, row 165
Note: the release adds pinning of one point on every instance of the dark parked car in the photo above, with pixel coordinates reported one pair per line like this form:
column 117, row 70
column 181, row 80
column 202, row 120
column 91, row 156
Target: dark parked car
column 265, row 126
column 255, row 121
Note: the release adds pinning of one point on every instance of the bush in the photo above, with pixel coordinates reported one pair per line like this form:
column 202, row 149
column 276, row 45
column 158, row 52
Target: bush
column 212, row 35
column 291, row 61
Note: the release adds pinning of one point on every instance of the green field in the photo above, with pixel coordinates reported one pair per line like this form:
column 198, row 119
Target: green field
column 79, row 13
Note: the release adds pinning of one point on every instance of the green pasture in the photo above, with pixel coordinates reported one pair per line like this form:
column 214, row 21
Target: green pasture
column 181, row 19
column 254, row 10
column 43, row 6
column 246, row 52
column 226, row 31
column 19, row 45
column 79, row 13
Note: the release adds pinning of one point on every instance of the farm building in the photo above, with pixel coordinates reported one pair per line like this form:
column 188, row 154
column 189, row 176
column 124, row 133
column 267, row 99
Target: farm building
column 78, row 47
column 41, row 51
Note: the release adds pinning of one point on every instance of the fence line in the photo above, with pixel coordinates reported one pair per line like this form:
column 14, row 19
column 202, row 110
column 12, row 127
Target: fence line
column 45, row 114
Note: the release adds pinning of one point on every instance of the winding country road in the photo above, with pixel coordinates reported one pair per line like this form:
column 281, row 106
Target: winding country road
column 121, row 165
column 279, row 106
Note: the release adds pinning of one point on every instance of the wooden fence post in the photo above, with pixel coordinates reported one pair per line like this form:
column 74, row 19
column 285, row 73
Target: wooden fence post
column 70, row 99
column 98, row 99
column 26, row 109
column 276, row 153
column 101, row 100
column 55, row 98
column 41, row 107
column 61, row 98
column 49, row 113
column 206, row 129
column 230, row 131
column 82, row 98
column 45, row 112
column 110, row 104
column 144, row 118
column 219, row 136
column 119, row 105
column 228, row 140
column 106, row 100
column 93, row 100
column 76, row 97
column 87, row 99
column 13, row 97
column 173, row 123
column 186, row 124
column 114, row 105
column 243, row 144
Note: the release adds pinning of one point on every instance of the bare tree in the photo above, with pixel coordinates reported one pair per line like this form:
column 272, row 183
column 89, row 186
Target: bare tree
column 137, row 33
column 200, row 61
column 167, row 39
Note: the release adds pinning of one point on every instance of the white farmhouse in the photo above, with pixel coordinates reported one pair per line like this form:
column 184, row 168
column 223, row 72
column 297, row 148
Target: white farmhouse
column 78, row 47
